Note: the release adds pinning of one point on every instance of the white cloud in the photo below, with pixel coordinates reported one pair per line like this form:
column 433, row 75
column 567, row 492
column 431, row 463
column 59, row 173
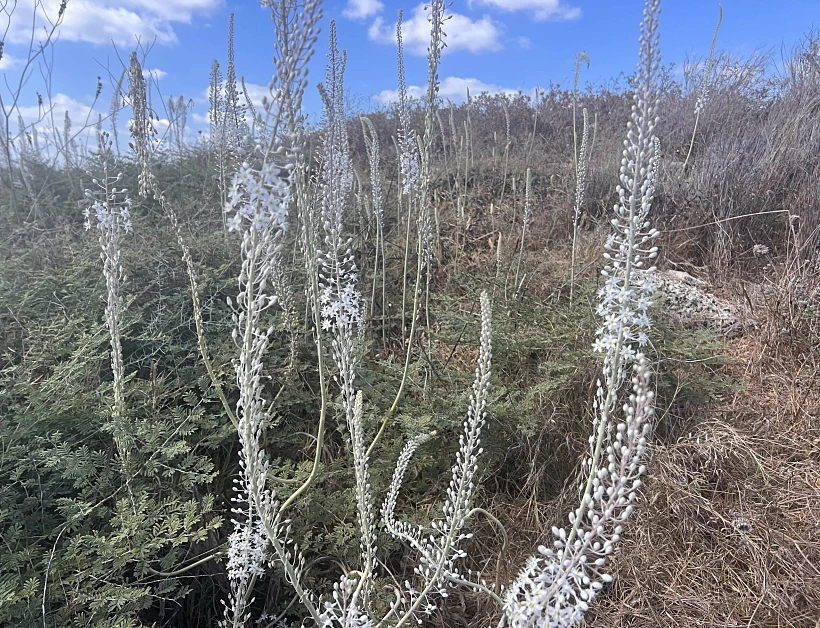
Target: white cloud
column 7, row 61
column 540, row 9
column 154, row 73
column 453, row 88
column 361, row 9
column 462, row 33
column 104, row 21
column 523, row 42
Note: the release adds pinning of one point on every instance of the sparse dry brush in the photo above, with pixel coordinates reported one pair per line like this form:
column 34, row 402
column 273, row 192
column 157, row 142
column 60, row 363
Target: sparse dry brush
column 357, row 375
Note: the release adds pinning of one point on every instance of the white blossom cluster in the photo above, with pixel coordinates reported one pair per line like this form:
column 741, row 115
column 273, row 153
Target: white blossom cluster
column 341, row 308
column 556, row 588
column 111, row 206
column 344, row 611
column 624, row 300
column 625, row 295
column 527, row 602
column 258, row 198
column 246, row 551
column 108, row 214
column 409, row 164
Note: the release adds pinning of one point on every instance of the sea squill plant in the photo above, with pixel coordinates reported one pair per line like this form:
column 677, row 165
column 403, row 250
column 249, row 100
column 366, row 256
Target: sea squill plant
column 419, row 198
column 141, row 124
column 108, row 208
column 526, row 223
column 408, row 158
column 258, row 204
column 408, row 147
column 340, row 297
column 580, row 189
column 371, row 140
column 142, row 132
column 556, row 587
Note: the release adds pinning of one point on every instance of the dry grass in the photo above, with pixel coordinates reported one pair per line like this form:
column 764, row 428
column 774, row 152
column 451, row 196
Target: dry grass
column 730, row 531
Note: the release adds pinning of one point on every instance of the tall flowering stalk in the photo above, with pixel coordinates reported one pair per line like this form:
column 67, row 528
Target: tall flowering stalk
column 434, row 52
column 556, row 588
column 371, row 140
column 257, row 207
column 526, row 221
column 109, row 209
column 234, row 124
column 408, row 158
column 705, row 84
column 141, row 125
column 580, row 189
column 340, row 298
column 408, row 148
column 142, row 132
column 258, row 203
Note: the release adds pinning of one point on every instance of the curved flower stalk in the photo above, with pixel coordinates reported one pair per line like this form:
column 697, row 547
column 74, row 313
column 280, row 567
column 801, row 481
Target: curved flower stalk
column 109, row 209
column 401, row 529
column 557, row 589
column 440, row 549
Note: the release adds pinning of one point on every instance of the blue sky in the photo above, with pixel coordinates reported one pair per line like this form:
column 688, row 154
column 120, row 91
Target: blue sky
column 493, row 44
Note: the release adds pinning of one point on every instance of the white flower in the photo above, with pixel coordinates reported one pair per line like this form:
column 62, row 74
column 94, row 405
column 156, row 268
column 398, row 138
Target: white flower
column 246, row 547
column 235, row 223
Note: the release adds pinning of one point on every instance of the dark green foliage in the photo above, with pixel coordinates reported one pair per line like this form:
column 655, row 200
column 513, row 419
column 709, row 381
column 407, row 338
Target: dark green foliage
column 66, row 511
